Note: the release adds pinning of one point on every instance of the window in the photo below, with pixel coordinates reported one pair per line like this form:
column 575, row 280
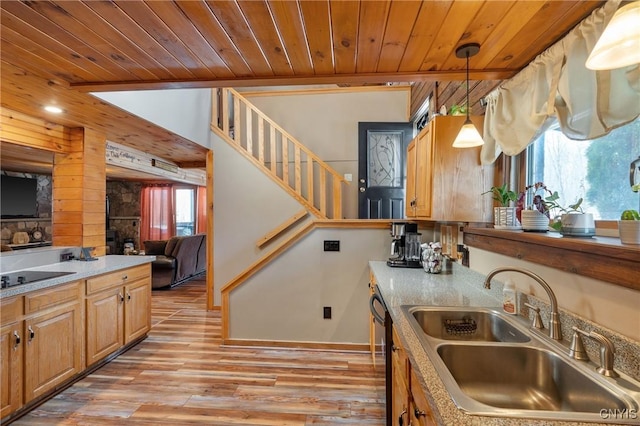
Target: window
column 185, row 211
column 595, row 170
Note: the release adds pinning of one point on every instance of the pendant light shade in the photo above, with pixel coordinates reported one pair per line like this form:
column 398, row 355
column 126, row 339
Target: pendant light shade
column 619, row 44
column 468, row 137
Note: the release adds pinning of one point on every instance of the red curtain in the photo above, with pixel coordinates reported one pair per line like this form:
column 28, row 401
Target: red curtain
column 201, row 215
column 157, row 212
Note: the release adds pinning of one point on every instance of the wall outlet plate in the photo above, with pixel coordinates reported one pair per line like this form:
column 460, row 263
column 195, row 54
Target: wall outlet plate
column 331, row 245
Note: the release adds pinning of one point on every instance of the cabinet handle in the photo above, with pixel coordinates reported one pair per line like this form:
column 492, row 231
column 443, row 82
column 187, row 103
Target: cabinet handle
column 419, row 413
column 400, row 417
column 32, row 334
column 17, row 336
column 121, row 297
column 128, row 296
column 125, row 277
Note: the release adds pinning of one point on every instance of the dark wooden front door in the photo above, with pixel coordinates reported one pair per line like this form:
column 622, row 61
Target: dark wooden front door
column 382, row 168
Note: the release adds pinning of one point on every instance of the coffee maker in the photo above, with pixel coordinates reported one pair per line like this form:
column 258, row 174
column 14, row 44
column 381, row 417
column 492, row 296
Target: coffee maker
column 405, row 245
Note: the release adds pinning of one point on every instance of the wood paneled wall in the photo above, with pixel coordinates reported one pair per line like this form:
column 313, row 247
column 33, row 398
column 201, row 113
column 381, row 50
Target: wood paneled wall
column 79, row 190
column 21, row 129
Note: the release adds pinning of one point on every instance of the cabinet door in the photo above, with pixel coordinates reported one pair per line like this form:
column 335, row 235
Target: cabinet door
column 410, row 197
column 137, row 312
column 104, row 323
column 399, row 382
column 11, row 353
column 420, row 410
column 54, row 343
column 424, row 171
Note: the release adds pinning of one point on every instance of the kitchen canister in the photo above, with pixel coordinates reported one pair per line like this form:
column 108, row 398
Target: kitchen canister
column 432, row 257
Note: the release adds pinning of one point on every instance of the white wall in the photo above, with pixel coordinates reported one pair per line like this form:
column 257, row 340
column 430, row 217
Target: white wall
column 186, row 112
column 285, row 300
column 327, row 123
column 246, row 205
column 607, row 304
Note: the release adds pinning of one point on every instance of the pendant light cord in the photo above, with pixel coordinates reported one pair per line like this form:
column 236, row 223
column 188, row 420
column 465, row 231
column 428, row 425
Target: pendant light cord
column 467, row 85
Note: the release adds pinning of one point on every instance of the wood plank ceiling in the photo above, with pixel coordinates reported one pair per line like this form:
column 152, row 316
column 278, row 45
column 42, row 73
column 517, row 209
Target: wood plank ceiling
column 58, row 51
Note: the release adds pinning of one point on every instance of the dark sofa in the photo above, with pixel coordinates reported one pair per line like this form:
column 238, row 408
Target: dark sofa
column 178, row 259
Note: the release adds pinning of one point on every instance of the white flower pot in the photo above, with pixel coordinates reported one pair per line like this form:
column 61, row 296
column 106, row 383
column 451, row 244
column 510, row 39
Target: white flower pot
column 505, row 218
column 533, row 220
column 578, row 225
column 629, row 231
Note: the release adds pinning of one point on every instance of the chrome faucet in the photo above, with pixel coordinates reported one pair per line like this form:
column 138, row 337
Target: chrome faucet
column 607, row 350
column 555, row 331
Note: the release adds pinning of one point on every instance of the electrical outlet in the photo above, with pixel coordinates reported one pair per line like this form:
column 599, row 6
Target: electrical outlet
column 326, row 312
column 331, row 245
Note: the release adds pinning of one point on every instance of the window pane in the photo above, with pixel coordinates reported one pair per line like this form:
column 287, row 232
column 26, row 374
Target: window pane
column 596, row 170
column 185, row 217
column 385, row 159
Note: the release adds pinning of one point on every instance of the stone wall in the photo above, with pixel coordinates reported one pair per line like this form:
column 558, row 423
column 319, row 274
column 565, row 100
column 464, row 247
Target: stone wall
column 124, row 217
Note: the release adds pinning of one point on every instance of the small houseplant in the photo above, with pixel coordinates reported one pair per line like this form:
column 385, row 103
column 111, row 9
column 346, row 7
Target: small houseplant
column 629, row 227
column 536, row 216
column 504, row 215
column 571, row 221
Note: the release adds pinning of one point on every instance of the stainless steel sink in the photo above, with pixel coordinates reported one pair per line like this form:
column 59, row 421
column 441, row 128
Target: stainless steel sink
column 470, row 325
column 494, row 364
column 525, row 378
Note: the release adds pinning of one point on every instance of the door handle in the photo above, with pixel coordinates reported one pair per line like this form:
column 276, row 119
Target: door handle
column 374, row 297
column 362, row 189
column 361, row 180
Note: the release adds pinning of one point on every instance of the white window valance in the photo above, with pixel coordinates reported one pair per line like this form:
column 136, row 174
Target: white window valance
column 557, row 86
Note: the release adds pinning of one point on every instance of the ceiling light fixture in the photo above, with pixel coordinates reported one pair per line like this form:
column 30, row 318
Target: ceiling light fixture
column 53, row 109
column 468, row 137
column 619, row 44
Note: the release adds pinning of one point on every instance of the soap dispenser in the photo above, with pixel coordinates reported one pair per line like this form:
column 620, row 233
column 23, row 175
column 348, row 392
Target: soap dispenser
column 509, row 297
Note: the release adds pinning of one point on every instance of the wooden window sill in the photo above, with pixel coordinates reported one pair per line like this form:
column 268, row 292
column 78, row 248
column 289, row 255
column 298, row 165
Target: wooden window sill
column 602, row 258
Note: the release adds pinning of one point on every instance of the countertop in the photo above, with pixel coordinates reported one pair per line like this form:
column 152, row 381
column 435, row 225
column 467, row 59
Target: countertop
column 80, row 269
column 463, row 287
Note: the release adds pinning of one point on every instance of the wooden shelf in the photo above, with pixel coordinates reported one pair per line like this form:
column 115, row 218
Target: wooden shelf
column 602, row 258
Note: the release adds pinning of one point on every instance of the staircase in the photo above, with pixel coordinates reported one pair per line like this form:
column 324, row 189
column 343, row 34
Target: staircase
column 281, row 156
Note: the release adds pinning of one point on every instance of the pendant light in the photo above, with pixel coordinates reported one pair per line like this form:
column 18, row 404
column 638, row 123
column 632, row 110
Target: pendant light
column 619, row 44
column 468, row 137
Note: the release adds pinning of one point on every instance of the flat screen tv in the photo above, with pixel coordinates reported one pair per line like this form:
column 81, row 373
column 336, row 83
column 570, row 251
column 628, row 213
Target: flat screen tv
column 18, row 197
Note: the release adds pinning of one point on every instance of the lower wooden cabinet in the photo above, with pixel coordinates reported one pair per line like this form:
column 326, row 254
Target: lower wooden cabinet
column 53, row 349
column 410, row 405
column 118, row 309
column 50, row 336
column 11, row 357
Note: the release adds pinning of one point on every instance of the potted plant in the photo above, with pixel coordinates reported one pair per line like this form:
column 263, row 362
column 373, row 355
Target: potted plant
column 571, row 221
column 458, row 109
column 505, row 215
column 629, row 227
column 534, row 217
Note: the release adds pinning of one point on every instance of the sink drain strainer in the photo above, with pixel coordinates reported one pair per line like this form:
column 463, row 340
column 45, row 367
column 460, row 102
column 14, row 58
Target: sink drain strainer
column 458, row 327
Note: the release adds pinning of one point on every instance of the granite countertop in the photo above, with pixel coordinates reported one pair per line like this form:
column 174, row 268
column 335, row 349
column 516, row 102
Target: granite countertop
column 80, row 269
column 463, row 287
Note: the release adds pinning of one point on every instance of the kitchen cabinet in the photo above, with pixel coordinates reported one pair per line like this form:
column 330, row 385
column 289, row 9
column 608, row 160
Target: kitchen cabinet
column 410, row 405
column 118, row 307
column 446, row 183
column 11, row 354
column 42, row 343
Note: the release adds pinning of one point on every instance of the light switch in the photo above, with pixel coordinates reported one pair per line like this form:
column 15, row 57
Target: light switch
column 348, row 177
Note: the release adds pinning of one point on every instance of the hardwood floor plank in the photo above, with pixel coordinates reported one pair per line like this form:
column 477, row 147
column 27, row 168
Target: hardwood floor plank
column 182, row 375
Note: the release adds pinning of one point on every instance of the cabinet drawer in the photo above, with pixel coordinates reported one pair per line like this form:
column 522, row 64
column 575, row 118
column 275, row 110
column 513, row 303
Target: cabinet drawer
column 53, row 296
column 120, row 277
column 11, row 309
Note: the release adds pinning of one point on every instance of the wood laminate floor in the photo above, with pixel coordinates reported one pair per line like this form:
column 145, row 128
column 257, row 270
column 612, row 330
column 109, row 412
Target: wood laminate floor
column 181, row 375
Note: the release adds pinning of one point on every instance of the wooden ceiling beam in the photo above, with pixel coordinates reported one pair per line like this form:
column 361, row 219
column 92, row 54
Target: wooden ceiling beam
column 361, row 78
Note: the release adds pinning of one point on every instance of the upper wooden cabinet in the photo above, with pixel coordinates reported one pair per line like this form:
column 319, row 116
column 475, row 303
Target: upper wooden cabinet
column 446, row 183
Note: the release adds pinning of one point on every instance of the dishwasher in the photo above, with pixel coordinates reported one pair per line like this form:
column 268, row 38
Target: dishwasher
column 384, row 319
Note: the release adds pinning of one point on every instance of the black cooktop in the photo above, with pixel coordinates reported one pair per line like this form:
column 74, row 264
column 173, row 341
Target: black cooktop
column 25, row 277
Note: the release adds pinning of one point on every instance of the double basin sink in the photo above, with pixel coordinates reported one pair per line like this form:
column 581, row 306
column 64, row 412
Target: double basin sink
column 494, row 364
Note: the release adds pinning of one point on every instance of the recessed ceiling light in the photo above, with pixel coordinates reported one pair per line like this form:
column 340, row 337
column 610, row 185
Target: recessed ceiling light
column 53, row 109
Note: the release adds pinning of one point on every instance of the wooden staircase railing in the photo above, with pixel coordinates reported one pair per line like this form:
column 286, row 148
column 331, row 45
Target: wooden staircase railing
column 292, row 165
